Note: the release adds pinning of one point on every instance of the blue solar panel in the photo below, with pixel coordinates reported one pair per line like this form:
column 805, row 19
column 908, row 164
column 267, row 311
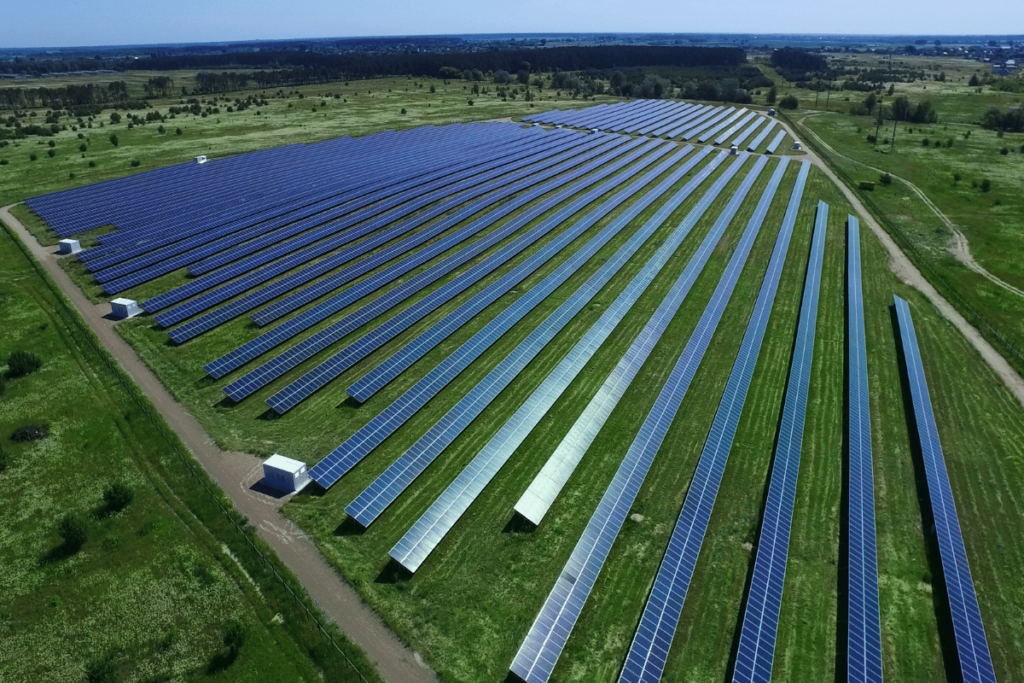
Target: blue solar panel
column 319, row 376
column 653, row 639
column 749, row 130
column 968, row 629
column 764, row 602
column 428, row 531
column 331, row 468
column 543, row 172
column 550, row 631
column 305, row 320
column 776, row 141
column 756, row 142
column 864, row 637
column 720, row 125
column 299, row 390
column 724, row 135
column 414, row 350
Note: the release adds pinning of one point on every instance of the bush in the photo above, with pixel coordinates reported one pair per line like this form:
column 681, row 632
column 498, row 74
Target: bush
column 789, row 102
column 986, row 185
column 4, row 162
column 22, row 363
column 83, row 147
column 957, row 177
column 101, row 669
column 1004, row 151
column 51, row 153
column 113, row 140
column 867, row 185
column 135, row 163
column 28, row 433
column 885, row 179
column 73, row 528
column 177, row 131
column 403, row 111
column 117, row 496
column 92, row 164
column 925, row 142
column 32, row 156
column 234, row 636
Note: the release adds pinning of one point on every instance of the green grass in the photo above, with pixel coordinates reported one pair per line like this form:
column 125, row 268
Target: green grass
column 488, row 581
column 155, row 584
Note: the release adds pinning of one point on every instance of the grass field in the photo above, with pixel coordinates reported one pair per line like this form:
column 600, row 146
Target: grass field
column 156, row 584
column 468, row 608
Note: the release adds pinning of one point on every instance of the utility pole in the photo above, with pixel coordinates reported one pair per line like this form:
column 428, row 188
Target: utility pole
column 894, row 122
column 828, row 95
column 878, row 120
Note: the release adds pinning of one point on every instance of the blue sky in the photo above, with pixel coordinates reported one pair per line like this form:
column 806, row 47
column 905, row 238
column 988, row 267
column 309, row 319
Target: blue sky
column 61, row 23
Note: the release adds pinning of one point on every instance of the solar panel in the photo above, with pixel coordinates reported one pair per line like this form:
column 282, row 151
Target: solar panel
column 725, row 134
column 428, row 531
column 718, row 127
column 776, row 141
column 968, row 629
column 653, row 639
column 864, row 637
column 764, row 601
column 319, row 376
column 749, row 130
column 550, row 631
column 756, row 142
column 331, row 468
column 377, row 378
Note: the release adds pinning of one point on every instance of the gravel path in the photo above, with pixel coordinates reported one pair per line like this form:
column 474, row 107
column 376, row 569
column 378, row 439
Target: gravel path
column 902, row 267
column 236, row 473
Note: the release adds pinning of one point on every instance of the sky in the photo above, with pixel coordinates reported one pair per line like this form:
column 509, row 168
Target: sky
column 66, row 23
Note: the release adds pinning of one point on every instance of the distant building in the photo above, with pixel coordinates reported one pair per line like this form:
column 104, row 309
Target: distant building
column 1007, row 68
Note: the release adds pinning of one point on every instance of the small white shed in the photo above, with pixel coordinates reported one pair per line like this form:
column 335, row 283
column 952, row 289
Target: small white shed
column 70, row 246
column 284, row 474
column 734, row 150
column 796, row 144
column 124, row 308
column 201, row 159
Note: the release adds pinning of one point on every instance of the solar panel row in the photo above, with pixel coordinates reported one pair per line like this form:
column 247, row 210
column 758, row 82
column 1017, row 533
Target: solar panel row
column 332, row 467
column 374, row 339
column 392, row 327
column 776, row 141
column 748, row 131
column 653, row 639
column 301, row 388
column 303, row 321
column 968, row 629
column 764, row 601
column 864, row 636
column 414, row 547
column 421, row 195
column 756, row 142
column 546, row 638
column 252, row 299
column 545, row 487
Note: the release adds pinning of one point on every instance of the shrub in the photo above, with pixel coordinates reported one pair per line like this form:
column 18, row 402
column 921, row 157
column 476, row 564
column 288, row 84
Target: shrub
column 83, row 147
column 51, row 143
column 957, row 177
column 885, row 179
column 28, row 433
column 872, row 139
column 117, row 496
column 403, row 111
column 73, row 529
column 92, row 164
column 4, row 162
column 178, row 131
column 23, row 363
column 3, row 385
column 113, row 139
column 51, row 153
column 71, row 176
column 234, row 636
column 789, row 102
column 986, row 185
column 1004, row 151
column 32, row 156
column 101, row 669
column 925, row 142
column 3, row 461
column 867, row 185
column 135, row 163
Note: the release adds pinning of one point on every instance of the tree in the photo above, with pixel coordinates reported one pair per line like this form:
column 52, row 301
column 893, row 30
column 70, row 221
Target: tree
column 117, row 496
column 115, row 117
column 73, row 528
column 789, row 102
column 869, row 102
column 892, row 89
column 523, row 76
column 773, row 94
column 501, row 76
column 113, row 139
column 21, row 363
column 974, row 82
column 885, row 179
column 101, row 669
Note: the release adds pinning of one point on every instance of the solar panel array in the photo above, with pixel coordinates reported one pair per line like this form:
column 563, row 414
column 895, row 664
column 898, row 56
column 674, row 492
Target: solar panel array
column 660, row 118
column 968, row 630
column 434, row 524
column 381, row 426
column 764, row 601
column 653, row 639
column 864, row 637
column 543, row 644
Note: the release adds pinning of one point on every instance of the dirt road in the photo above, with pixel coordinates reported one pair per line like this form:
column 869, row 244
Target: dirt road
column 235, row 473
column 901, row 265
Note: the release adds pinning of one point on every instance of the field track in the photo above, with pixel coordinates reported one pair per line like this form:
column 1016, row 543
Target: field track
column 235, row 473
